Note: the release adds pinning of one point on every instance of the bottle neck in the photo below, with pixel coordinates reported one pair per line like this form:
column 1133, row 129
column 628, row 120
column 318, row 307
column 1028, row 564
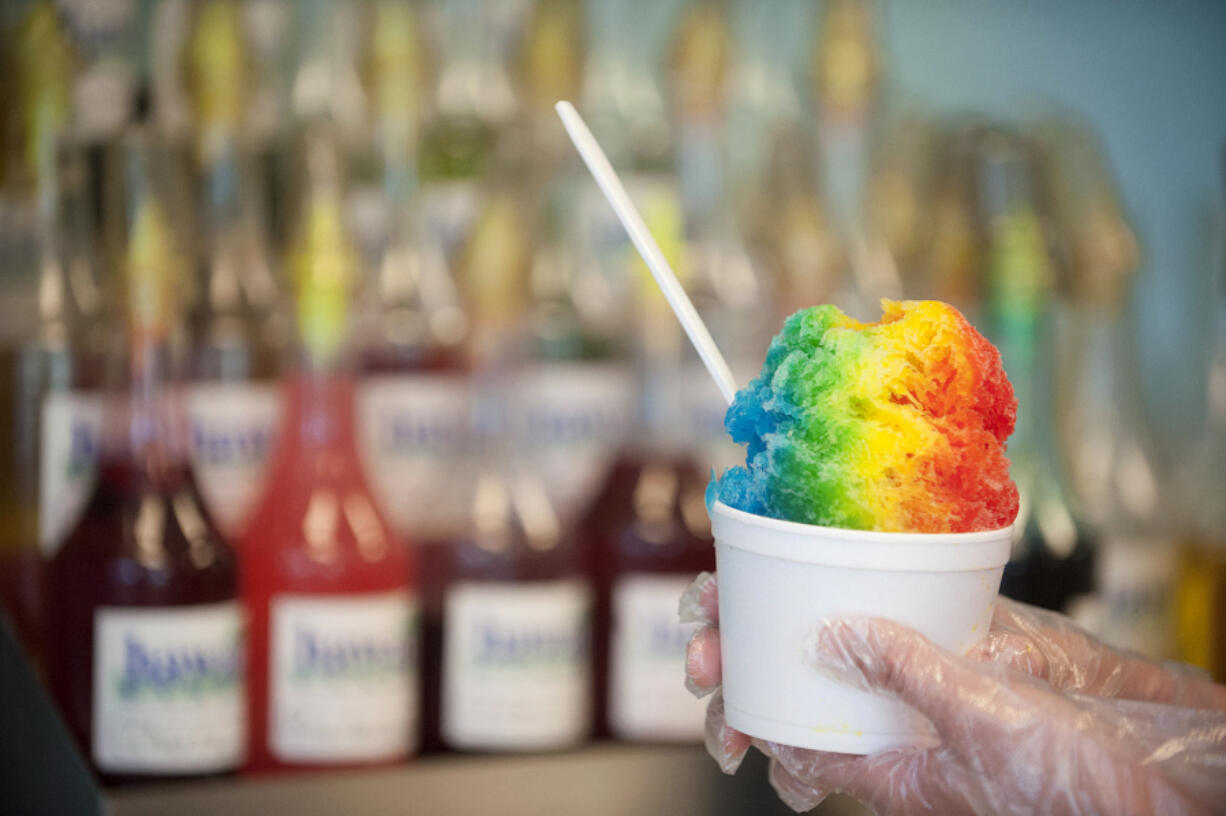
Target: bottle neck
column 324, row 266
column 418, row 305
column 236, row 273
column 54, row 285
column 64, row 234
column 222, row 200
column 43, row 58
column 846, row 67
column 700, row 170
column 217, row 75
column 1020, row 323
column 319, row 411
column 395, row 99
column 1111, row 349
column 660, row 421
column 1019, row 316
column 1113, row 455
column 628, row 113
column 510, row 513
column 473, row 82
column 144, row 425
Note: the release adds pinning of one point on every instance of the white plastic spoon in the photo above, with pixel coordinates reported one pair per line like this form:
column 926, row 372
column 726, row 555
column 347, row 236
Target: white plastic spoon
column 613, row 190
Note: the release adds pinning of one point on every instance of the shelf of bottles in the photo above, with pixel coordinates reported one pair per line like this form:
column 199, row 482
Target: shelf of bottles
column 341, row 425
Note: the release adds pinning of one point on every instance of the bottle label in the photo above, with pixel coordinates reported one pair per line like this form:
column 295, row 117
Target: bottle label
column 574, row 416
column 168, row 689
column 233, row 428
column 343, row 680
column 71, row 427
column 516, row 665
column 648, row 699
column 414, row 438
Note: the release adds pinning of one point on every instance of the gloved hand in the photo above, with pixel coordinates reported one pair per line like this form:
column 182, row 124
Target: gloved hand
column 1052, row 648
column 1040, row 718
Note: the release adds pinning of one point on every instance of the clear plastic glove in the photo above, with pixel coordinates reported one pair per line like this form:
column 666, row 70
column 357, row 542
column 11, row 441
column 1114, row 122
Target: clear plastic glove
column 1040, row 718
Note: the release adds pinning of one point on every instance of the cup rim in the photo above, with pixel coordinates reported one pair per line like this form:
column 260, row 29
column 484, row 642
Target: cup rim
column 859, row 549
column 847, row 534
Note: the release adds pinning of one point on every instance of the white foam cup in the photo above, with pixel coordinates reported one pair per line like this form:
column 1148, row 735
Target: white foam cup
column 779, row 581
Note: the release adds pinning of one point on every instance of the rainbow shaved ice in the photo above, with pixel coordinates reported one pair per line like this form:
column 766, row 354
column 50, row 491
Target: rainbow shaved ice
column 894, row 426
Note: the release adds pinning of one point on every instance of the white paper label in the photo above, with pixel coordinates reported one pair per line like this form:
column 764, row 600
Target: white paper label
column 648, row 699
column 516, row 665
column 71, row 427
column 168, row 689
column 573, row 417
column 233, row 428
column 344, row 677
column 414, row 438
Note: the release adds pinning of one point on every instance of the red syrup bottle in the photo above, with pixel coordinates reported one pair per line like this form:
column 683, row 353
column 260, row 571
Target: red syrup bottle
column 144, row 630
column 329, row 587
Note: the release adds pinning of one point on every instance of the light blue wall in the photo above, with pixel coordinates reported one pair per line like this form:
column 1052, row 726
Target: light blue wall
column 1151, row 77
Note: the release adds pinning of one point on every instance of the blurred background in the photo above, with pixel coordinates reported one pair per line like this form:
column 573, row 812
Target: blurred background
column 225, row 226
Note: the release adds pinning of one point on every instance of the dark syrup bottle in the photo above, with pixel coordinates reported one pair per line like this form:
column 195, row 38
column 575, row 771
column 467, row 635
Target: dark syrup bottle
column 515, row 641
column 49, row 409
column 647, row 535
column 145, row 632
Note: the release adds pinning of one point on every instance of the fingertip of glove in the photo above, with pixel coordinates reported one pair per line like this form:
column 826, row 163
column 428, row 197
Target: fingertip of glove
column 726, row 745
column 694, row 605
column 702, row 661
column 695, row 689
column 796, row 794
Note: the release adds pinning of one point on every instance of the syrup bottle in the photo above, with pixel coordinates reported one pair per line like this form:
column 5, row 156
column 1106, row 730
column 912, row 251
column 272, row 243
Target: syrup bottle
column 514, row 645
column 647, row 535
column 723, row 278
column 49, row 455
column 1115, row 476
column 472, row 103
column 1054, row 551
column 573, row 399
column 413, row 401
column 1200, row 596
column 237, row 324
column 516, row 636
column 145, row 631
column 846, row 75
column 329, row 587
